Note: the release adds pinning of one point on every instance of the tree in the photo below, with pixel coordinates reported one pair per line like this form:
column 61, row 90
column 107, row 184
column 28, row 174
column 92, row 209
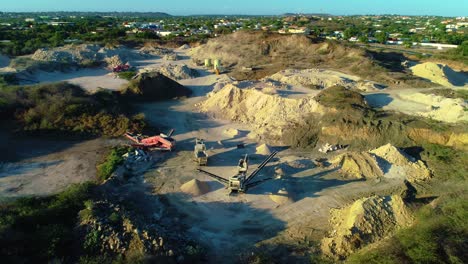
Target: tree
column 363, row 39
column 381, row 37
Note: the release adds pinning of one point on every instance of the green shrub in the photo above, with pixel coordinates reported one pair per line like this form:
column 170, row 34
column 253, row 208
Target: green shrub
column 42, row 228
column 127, row 75
column 111, row 162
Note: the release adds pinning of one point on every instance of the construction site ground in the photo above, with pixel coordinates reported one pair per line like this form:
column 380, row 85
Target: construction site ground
column 294, row 206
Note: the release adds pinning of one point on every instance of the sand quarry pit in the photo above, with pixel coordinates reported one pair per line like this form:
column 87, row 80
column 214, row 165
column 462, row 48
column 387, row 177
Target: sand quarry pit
column 293, row 206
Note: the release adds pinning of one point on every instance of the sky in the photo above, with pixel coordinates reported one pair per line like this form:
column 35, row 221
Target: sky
column 248, row 7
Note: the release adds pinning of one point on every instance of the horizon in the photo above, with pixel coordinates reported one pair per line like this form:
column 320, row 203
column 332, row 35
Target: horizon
column 456, row 8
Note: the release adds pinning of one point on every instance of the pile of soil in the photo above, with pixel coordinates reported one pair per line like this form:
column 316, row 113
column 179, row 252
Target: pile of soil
column 149, row 49
column 184, row 47
column 270, row 114
column 231, row 132
column 440, row 73
column 320, row 78
column 359, row 165
column 386, row 161
column 444, row 109
column 365, row 221
column 263, row 149
column 396, row 164
column 154, row 86
column 195, row 187
column 282, row 197
column 83, row 54
column 177, row 72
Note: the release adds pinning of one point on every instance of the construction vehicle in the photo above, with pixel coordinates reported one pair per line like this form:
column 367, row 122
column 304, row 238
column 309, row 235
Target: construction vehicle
column 200, row 155
column 241, row 182
column 121, row 68
column 160, row 142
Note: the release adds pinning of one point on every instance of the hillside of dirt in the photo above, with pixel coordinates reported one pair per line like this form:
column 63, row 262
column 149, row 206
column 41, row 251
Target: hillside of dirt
column 175, row 72
column 270, row 114
column 363, row 222
column 320, row 78
column 85, row 54
column 254, row 55
column 440, row 108
column 440, row 74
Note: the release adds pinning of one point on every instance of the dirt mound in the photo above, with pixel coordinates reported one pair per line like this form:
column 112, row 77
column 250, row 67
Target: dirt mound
column 195, row 187
column 175, row 72
column 263, row 149
column 365, row 221
column 359, row 165
column 184, row 47
column 386, row 161
column 440, row 108
column 440, row 73
column 150, row 49
column 154, row 86
column 396, row 164
column 83, row 54
column 264, row 54
column 281, row 197
column 270, row 114
column 231, row 132
column 320, row 78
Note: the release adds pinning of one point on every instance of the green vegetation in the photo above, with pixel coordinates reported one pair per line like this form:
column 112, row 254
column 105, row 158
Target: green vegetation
column 65, row 107
column 458, row 54
column 111, row 162
column 439, row 235
column 42, row 228
column 127, row 75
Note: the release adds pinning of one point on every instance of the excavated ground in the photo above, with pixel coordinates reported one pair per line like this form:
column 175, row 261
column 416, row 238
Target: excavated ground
column 294, row 206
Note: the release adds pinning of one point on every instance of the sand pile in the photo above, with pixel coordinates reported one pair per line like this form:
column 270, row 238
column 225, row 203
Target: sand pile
column 320, row 78
column 359, row 165
column 263, row 149
column 440, row 73
column 365, row 221
column 397, row 164
column 195, row 187
column 184, row 47
column 386, row 161
column 281, row 197
column 176, row 72
column 152, row 50
column 270, row 114
column 231, row 132
column 440, row 108
column 85, row 53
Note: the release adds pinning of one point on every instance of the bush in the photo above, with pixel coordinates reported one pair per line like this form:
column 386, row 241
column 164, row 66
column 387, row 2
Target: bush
column 42, row 229
column 66, row 107
column 127, row 75
column 111, row 162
